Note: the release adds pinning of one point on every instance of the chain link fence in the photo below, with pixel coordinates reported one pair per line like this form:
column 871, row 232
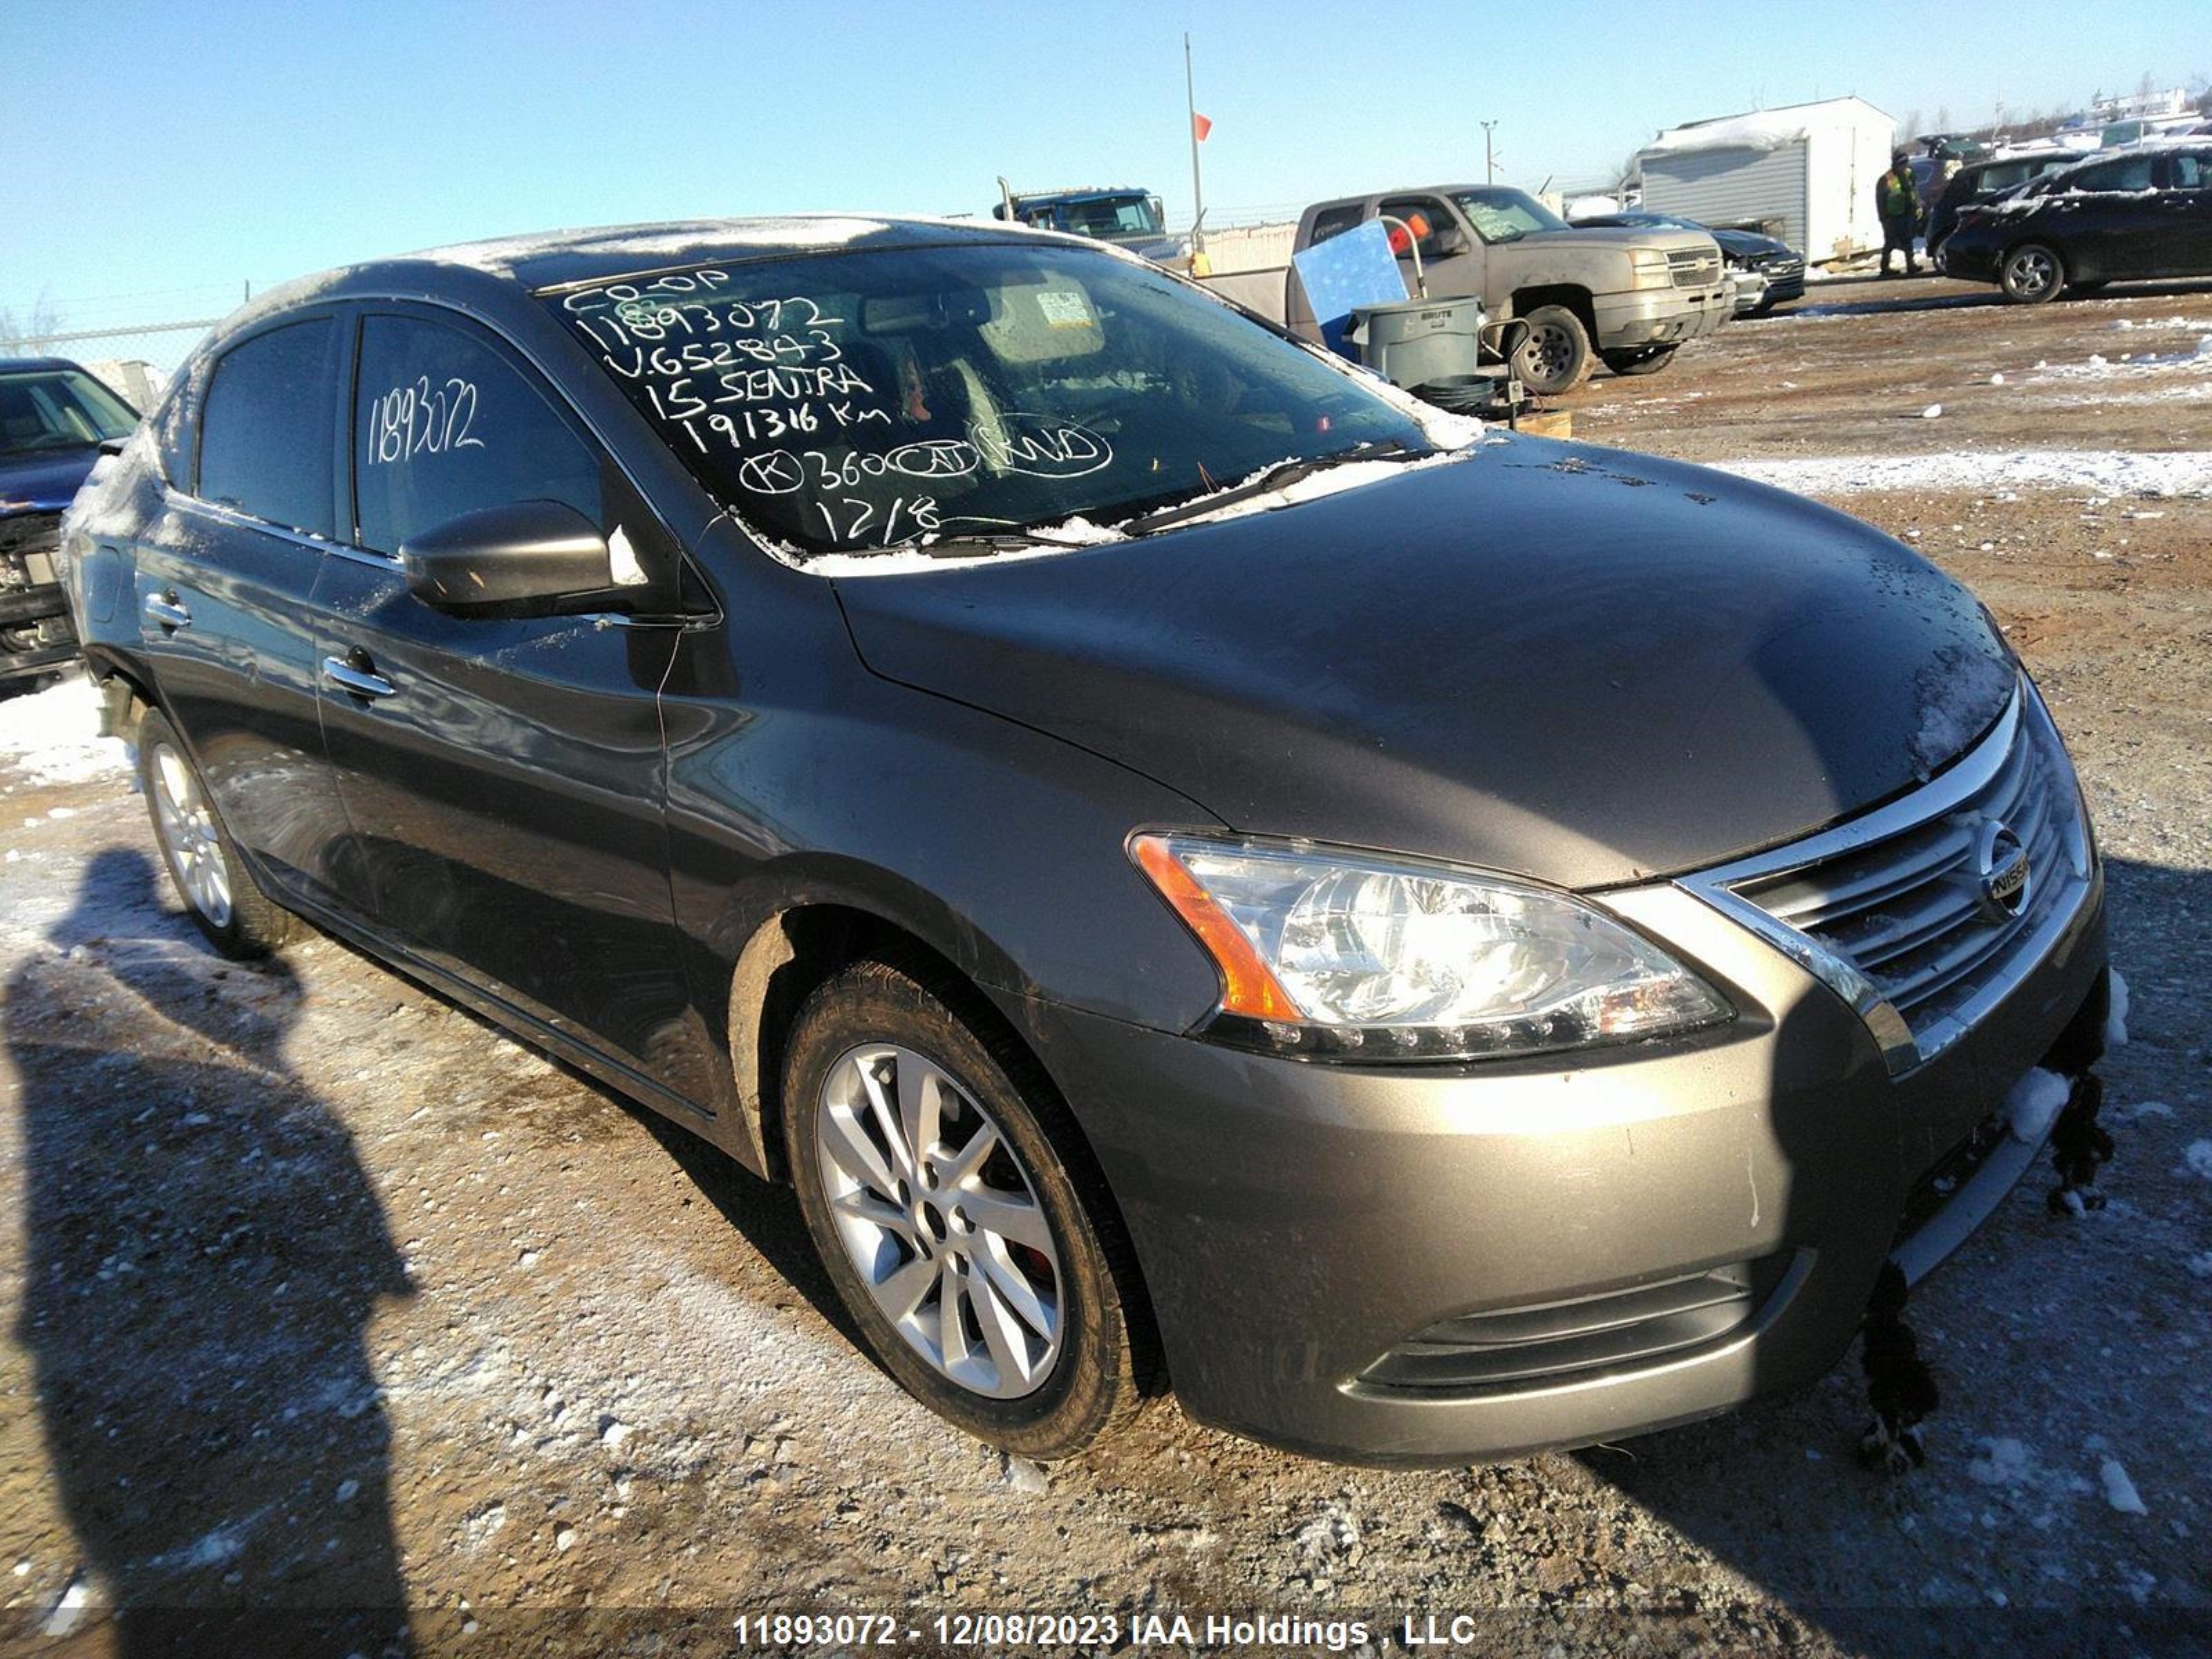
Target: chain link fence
column 135, row 359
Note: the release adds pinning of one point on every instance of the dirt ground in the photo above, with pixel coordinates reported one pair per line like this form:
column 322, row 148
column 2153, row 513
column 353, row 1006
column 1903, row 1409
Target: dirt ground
column 326, row 1302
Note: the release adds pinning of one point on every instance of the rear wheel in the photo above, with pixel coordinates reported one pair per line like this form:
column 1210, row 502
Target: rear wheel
column 984, row 1270
column 1556, row 357
column 218, row 890
column 2031, row 274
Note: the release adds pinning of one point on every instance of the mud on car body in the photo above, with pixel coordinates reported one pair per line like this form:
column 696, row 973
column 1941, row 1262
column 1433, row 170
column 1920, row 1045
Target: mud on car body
column 1201, row 873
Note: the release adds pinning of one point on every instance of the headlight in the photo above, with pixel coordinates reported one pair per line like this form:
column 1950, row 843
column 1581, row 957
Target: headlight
column 1346, row 956
column 1649, row 268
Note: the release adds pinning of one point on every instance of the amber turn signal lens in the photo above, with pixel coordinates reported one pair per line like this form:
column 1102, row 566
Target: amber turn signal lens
column 1247, row 986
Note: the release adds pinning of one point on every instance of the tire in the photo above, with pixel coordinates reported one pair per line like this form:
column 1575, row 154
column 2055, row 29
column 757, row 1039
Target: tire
column 219, row 892
column 2031, row 274
column 1557, row 357
column 1047, row 1375
column 1645, row 362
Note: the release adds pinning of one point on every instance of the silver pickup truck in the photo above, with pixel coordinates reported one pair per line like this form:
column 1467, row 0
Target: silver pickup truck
column 1629, row 298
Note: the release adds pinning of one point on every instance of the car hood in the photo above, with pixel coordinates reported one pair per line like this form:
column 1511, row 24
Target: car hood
column 1749, row 244
column 1573, row 664
column 1620, row 236
column 44, row 481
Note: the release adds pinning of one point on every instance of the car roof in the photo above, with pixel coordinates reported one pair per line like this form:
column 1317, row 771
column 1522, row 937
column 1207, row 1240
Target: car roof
column 560, row 258
column 495, row 269
column 10, row 364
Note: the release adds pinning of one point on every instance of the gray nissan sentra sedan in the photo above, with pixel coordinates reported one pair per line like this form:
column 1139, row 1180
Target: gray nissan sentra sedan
column 1198, row 871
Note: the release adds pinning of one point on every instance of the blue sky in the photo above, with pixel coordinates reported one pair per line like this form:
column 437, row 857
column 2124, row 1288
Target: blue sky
column 226, row 139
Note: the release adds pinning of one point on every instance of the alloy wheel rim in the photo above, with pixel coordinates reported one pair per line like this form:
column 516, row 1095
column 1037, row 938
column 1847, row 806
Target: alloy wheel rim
column 940, row 1220
column 190, row 837
column 2031, row 271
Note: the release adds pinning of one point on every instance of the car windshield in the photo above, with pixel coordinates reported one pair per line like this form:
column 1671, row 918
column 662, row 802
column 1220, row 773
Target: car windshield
column 857, row 402
column 1110, row 216
column 58, row 409
column 1500, row 215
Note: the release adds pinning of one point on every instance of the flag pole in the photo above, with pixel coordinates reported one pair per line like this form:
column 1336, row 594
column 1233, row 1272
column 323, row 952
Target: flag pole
column 1197, row 190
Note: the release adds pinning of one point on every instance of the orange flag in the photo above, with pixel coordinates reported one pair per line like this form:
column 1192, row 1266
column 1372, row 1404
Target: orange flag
column 1201, row 127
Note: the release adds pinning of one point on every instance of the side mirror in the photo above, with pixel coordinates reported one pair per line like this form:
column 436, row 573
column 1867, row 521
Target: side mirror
column 521, row 559
column 1449, row 239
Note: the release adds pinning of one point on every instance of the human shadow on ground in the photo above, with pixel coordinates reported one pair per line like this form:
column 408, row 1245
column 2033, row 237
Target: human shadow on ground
column 204, row 1254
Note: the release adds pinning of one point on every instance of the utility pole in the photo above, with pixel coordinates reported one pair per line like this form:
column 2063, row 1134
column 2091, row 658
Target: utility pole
column 1197, row 190
column 1489, row 156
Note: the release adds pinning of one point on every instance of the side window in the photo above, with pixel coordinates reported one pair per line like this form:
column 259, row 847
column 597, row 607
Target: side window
column 265, row 428
column 1443, row 236
column 445, row 423
column 1335, row 222
column 2134, row 173
column 2190, row 172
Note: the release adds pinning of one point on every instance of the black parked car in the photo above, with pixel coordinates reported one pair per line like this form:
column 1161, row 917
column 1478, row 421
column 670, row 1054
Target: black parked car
column 1183, row 857
column 1982, row 180
column 2143, row 211
column 1780, row 267
column 53, row 418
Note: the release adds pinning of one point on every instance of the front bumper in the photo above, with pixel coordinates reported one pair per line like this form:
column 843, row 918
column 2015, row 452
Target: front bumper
column 36, row 633
column 1661, row 316
column 1298, row 1223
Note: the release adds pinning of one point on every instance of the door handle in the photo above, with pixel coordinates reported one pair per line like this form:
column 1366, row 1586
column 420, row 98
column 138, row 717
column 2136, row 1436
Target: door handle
column 164, row 608
column 356, row 676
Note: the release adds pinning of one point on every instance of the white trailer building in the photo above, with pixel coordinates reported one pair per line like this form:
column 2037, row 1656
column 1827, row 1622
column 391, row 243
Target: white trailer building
column 1805, row 173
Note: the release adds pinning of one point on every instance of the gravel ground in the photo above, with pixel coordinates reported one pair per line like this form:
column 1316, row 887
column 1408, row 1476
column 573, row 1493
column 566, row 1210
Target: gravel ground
column 321, row 1294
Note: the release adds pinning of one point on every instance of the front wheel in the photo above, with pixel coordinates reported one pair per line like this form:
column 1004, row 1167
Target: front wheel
column 2031, row 274
column 1556, row 357
column 985, row 1270
column 218, row 890
column 1648, row 360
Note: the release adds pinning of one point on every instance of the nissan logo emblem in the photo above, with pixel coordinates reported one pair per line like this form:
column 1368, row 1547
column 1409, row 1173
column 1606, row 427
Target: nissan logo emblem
column 2001, row 870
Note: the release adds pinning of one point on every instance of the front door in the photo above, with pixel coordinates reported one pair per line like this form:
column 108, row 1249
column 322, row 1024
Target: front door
column 504, row 777
column 1452, row 262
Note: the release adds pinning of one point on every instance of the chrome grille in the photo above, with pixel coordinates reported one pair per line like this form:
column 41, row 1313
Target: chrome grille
column 1889, row 908
column 1694, row 267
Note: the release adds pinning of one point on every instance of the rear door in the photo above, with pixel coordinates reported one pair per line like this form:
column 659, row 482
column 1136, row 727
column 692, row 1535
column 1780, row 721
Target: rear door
column 223, row 579
column 504, row 778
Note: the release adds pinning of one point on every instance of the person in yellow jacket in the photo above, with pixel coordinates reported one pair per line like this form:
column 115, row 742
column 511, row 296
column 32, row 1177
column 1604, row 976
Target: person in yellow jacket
column 1897, row 204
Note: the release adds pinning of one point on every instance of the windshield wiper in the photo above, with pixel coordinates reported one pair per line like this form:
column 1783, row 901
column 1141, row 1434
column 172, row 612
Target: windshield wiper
column 1275, row 477
column 980, row 544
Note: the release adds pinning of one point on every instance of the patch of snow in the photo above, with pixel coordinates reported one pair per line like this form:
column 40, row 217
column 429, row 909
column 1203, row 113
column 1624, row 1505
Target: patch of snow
column 2003, row 1463
column 1025, row 1477
column 2093, row 471
column 68, row 1612
column 2116, row 1021
column 2120, row 1491
column 2034, row 1101
column 1931, row 412
column 1761, row 130
column 702, row 237
column 53, row 735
